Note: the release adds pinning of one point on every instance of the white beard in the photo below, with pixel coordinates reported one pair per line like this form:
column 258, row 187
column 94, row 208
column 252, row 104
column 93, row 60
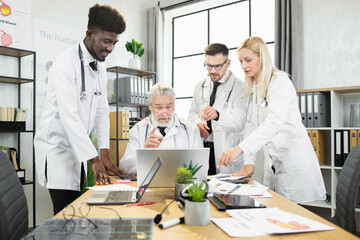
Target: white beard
column 156, row 123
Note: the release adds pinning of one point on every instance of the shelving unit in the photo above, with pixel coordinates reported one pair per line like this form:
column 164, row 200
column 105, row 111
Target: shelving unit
column 18, row 127
column 117, row 73
column 340, row 100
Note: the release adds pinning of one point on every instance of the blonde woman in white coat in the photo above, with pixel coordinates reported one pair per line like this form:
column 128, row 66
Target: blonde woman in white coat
column 274, row 126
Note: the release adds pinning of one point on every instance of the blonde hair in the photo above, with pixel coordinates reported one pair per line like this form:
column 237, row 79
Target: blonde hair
column 258, row 46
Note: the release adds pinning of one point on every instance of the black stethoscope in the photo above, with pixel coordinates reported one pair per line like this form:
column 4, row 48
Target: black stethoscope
column 227, row 99
column 187, row 134
column 83, row 93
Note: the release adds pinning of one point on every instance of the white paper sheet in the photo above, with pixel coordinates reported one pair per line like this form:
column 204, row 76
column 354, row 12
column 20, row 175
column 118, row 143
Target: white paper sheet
column 275, row 221
column 218, row 186
column 235, row 228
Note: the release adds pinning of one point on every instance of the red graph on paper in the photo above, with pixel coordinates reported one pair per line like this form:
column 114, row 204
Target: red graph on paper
column 5, row 9
column 6, row 39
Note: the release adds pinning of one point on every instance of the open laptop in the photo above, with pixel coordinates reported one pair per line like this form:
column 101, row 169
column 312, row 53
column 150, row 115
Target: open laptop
column 172, row 159
column 123, row 197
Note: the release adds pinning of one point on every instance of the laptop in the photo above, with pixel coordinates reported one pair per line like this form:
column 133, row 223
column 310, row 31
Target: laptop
column 124, row 197
column 172, row 159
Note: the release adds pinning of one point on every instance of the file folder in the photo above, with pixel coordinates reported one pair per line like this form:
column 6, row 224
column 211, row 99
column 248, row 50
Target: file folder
column 112, row 117
column 124, row 90
column 309, row 109
column 353, row 138
column 319, row 145
column 346, row 144
column 338, row 148
column 303, row 109
column 321, row 111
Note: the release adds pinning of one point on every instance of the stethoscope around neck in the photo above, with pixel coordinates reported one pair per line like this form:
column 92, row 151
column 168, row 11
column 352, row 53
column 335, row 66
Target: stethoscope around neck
column 83, row 93
column 182, row 124
column 227, row 99
column 264, row 104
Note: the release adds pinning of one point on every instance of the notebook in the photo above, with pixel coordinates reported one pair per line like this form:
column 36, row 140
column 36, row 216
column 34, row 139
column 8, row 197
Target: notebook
column 172, row 159
column 123, row 197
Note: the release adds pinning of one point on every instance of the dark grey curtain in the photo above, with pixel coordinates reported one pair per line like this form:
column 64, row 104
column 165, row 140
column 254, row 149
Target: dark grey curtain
column 283, row 36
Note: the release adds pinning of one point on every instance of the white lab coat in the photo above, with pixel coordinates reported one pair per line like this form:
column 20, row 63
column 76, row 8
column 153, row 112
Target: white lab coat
column 228, row 130
column 183, row 134
column 62, row 138
column 278, row 131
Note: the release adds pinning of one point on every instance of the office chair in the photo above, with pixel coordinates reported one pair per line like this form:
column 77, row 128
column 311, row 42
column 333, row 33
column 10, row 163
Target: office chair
column 347, row 191
column 13, row 205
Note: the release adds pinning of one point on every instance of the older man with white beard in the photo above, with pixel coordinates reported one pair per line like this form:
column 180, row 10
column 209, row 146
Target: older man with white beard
column 162, row 129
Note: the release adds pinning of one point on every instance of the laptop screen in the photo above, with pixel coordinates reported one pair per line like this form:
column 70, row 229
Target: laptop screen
column 147, row 180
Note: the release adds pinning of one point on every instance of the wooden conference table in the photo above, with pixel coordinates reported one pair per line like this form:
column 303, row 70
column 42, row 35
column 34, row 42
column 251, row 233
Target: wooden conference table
column 163, row 196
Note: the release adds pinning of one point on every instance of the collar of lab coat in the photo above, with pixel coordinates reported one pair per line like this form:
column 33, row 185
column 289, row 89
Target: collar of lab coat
column 87, row 56
column 228, row 76
column 172, row 131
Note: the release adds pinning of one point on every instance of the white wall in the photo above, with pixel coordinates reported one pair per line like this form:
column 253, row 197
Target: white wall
column 329, row 51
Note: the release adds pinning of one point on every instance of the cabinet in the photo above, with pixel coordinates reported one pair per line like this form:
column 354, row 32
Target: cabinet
column 17, row 75
column 127, row 91
column 341, row 98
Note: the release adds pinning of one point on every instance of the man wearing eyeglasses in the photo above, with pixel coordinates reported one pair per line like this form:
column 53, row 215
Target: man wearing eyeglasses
column 219, row 107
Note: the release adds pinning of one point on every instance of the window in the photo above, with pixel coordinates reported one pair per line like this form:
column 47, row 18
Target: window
column 229, row 23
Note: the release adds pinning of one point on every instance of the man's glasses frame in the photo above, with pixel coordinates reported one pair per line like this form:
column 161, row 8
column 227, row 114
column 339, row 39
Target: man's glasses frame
column 216, row 67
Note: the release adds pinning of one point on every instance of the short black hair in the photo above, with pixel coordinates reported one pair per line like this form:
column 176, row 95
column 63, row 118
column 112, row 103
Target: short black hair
column 106, row 18
column 216, row 48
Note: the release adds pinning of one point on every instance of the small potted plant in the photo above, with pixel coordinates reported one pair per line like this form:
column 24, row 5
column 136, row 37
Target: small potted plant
column 197, row 209
column 192, row 168
column 136, row 49
column 183, row 178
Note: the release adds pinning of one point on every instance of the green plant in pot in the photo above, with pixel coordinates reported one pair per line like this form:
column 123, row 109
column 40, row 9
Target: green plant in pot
column 183, row 178
column 193, row 168
column 136, row 49
column 197, row 209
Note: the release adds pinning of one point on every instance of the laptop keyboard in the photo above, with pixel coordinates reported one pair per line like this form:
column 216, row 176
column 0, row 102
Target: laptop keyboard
column 119, row 196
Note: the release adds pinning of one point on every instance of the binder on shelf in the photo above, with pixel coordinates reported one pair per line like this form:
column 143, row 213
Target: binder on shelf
column 127, row 128
column 124, row 90
column 303, row 109
column 319, row 145
column 353, row 138
column 112, row 117
column 132, row 87
column 145, row 90
column 346, row 144
column 123, row 122
column 137, row 90
column 309, row 110
column 321, row 109
column 338, row 148
column 3, row 113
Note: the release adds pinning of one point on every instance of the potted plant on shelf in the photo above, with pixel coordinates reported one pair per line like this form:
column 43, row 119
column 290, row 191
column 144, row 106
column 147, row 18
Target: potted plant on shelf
column 197, row 209
column 136, row 49
column 183, row 178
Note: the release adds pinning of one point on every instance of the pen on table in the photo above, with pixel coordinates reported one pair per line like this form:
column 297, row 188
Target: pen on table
column 138, row 204
column 171, row 223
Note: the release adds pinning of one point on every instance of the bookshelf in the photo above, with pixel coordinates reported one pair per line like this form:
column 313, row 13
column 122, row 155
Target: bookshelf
column 340, row 100
column 22, row 81
column 127, row 89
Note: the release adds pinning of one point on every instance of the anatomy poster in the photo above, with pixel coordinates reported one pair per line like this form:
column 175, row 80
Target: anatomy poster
column 49, row 40
column 15, row 23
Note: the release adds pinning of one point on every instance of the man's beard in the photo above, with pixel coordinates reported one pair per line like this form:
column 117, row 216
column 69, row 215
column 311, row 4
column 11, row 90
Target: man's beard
column 156, row 123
